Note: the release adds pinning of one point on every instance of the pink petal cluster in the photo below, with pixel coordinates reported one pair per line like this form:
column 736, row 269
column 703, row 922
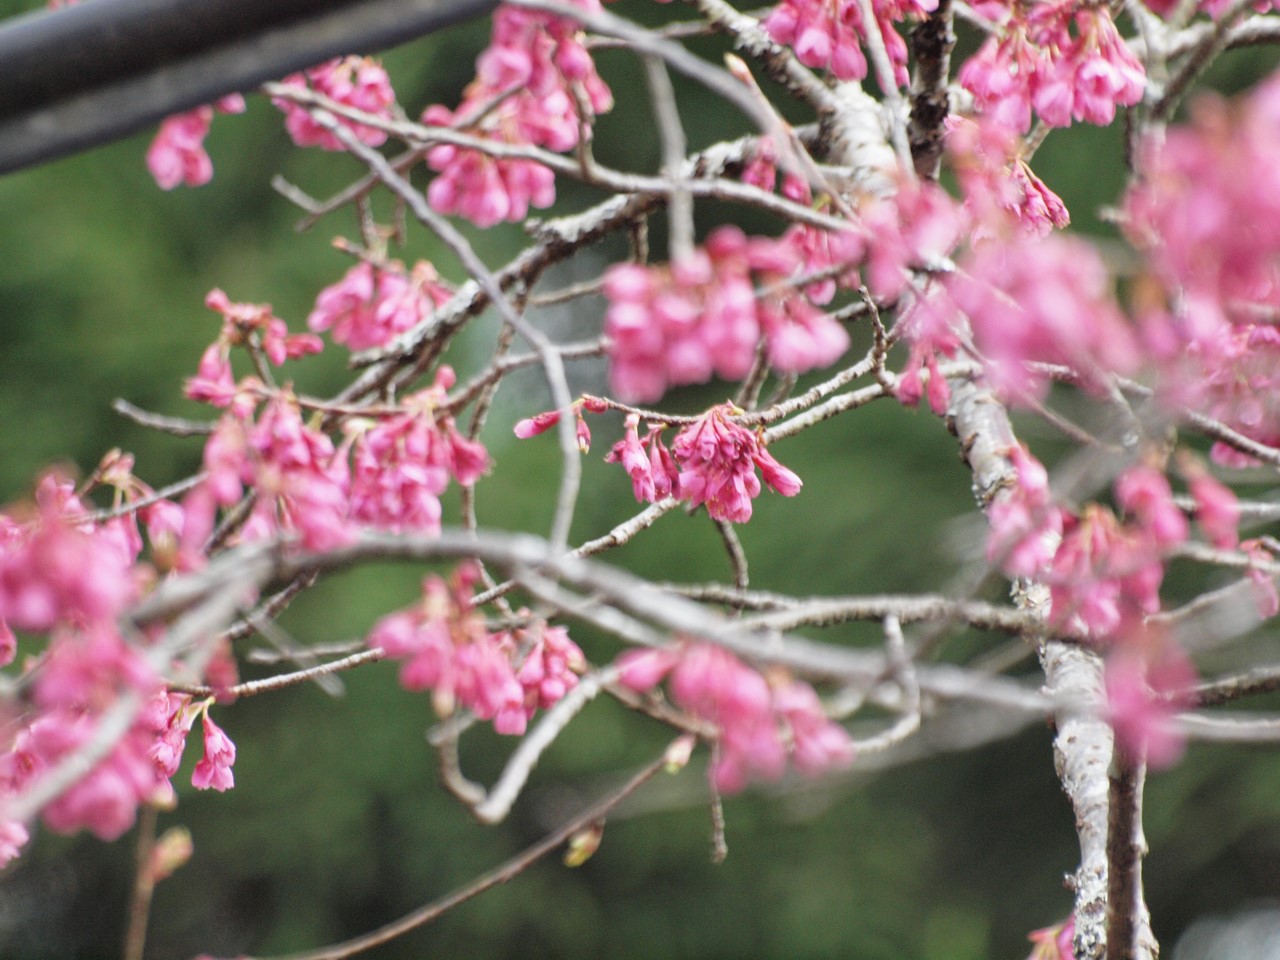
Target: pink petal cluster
column 56, row 568
column 1033, row 60
column 701, row 317
column 447, row 649
column 999, row 187
column 214, row 769
column 1105, row 577
column 1204, row 214
column 299, row 484
column 829, row 34
column 760, row 722
column 356, row 82
column 79, row 677
column 371, row 305
column 536, row 84
column 1145, row 690
column 214, row 382
column 1042, row 301
column 402, row 464
column 177, row 155
column 712, row 461
column 1025, row 523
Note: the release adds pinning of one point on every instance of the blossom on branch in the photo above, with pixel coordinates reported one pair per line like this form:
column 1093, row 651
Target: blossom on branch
column 761, row 722
column 356, row 82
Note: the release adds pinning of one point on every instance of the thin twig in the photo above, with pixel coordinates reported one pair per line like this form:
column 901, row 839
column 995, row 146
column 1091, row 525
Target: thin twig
column 509, row 870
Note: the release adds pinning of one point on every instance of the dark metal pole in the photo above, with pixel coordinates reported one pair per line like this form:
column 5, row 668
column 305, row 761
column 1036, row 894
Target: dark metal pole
column 81, row 76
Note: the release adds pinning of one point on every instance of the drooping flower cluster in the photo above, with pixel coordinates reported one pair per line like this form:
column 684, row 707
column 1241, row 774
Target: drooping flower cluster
column 1104, row 575
column 243, row 323
column 1043, row 301
column 356, row 82
column 536, row 84
column 998, row 184
column 371, row 305
column 177, row 155
column 701, row 316
column 712, row 461
column 761, row 722
column 1204, row 214
column 829, row 34
column 1033, row 60
column 505, row 677
column 402, row 464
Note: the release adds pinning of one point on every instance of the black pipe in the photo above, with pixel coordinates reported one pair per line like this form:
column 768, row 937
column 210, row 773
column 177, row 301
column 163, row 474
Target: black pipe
column 82, row 76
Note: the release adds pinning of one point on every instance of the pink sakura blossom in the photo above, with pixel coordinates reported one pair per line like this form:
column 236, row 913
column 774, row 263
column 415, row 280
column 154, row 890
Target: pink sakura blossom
column 760, row 723
column 356, row 82
column 1105, row 577
column 711, row 461
column 504, row 677
column 1217, row 509
column 829, row 35
column 718, row 461
column 214, row 382
column 371, row 305
column 54, row 569
column 177, row 155
column 8, row 644
column 999, row 187
column 13, row 837
column 1025, row 524
column 653, row 471
column 700, row 317
column 299, row 482
column 214, row 769
column 171, row 716
column 1143, row 492
column 1042, row 301
column 1033, row 59
column 1054, row 943
column 531, row 82
column 1145, row 690
column 403, row 464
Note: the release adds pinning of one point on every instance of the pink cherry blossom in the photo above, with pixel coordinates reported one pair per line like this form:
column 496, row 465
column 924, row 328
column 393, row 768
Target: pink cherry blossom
column 1025, row 523
column 700, row 317
column 1143, row 696
column 718, row 461
column 1054, row 943
column 214, row 769
column 505, row 677
column 1217, row 509
column 371, row 305
column 356, row 82
column 177, row 155
column 760, row 723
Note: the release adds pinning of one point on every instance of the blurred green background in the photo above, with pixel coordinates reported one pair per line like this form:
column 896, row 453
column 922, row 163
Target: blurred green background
column 337, row 823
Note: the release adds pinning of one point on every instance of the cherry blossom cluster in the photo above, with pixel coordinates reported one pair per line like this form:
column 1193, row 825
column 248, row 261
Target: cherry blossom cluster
column 830, row 33
column 387, row 474
column 71, row 577
column 359, row 83
column 537, row 85
column 447, row 648
column 1204, row 215
column 1034, row 61
column 996, row 180
column 712, row 461
column 177, row 155
column 761, row 722
column 1104, row 576
column 374, row 303
column 701, row 316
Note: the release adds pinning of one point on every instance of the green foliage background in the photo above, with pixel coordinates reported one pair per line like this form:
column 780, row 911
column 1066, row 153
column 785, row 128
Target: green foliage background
column 338, row 824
